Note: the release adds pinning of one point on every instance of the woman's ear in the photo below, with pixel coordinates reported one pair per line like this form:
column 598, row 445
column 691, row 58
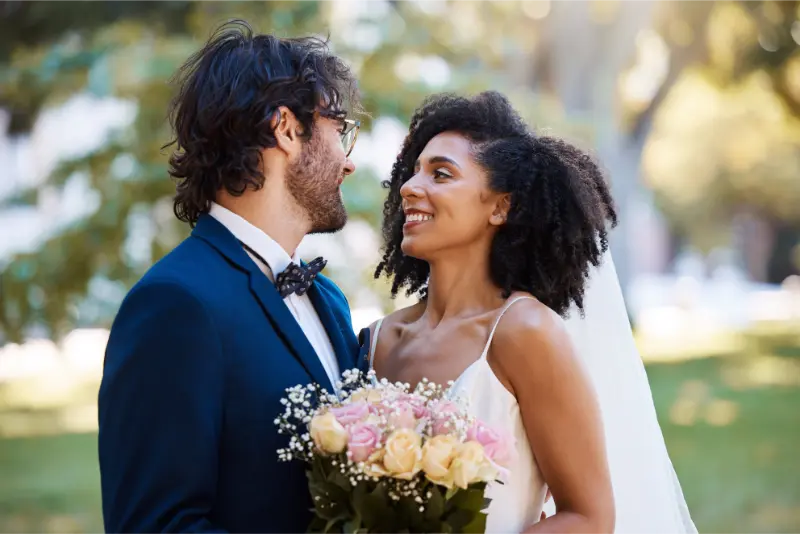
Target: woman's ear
column 501, row 208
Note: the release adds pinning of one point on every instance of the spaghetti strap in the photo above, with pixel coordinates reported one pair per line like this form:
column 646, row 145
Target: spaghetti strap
column 374, row 343
column 497, row 321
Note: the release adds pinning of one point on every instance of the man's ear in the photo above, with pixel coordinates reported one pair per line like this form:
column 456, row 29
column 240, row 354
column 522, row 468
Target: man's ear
column 286, row 129
column 501, row 208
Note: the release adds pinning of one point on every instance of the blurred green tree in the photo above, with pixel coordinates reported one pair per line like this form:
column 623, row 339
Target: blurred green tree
column 128, row 51
column 402, row 51
column 725, row 140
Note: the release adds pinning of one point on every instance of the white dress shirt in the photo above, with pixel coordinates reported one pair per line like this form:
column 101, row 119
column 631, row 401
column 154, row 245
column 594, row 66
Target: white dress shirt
column 278, row 259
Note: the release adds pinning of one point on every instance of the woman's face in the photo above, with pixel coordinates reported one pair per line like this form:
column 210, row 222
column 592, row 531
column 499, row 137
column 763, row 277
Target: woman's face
column 447, row 202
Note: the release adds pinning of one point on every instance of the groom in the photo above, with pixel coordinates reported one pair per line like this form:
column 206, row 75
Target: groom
column 205, row 344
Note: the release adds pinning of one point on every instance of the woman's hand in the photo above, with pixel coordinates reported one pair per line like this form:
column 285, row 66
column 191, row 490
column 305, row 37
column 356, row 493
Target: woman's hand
column 546, row 500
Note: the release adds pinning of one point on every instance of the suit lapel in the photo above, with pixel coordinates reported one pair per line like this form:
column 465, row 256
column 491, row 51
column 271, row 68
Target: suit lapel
column 264, row 291
column 322, row 304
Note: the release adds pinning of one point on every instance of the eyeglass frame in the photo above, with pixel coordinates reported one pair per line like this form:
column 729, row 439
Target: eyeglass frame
column 352, row 123
column 349, row 125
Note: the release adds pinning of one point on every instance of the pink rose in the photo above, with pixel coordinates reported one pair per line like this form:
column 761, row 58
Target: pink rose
column 444, row 416
column 362, row 440
column 418, row 404
column 499, row 446
column 351, row 413
column 401, row 415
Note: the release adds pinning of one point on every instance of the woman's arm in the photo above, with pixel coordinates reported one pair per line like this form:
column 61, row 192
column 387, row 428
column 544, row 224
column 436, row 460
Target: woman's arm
column 533, row 353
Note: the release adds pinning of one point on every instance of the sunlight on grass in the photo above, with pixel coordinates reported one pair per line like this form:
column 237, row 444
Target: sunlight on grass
column 764, row 371
column 721, row 412
column 734, row 448
column 695, row 403
column 691, row 398
column 676, row 348
column 773, row 517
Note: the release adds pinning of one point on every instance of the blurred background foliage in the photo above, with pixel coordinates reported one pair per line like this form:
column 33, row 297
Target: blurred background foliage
column 693, row 107
column 729, row 82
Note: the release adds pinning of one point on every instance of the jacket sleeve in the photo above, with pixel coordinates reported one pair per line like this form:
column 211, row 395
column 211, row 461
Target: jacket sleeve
column 160, row 413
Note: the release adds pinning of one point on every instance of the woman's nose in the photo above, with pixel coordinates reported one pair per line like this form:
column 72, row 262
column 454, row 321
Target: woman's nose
column 412, row 188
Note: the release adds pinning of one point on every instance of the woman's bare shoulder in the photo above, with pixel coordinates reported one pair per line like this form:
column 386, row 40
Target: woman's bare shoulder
column 531, row 335
column 400, row 317
column 387, row 335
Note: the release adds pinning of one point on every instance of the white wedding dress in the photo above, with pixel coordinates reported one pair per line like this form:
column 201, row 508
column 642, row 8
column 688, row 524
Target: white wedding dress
column 518, row 502
column 647, row 494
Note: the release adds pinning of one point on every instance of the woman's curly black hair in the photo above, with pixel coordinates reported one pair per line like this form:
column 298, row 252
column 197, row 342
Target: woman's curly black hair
column 228, row 94
column 560, row 205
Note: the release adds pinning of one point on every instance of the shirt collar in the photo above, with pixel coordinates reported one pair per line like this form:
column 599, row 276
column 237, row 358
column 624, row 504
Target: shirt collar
column 276, row 257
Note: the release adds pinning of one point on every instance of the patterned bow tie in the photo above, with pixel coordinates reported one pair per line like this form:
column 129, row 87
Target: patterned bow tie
column 298, row 278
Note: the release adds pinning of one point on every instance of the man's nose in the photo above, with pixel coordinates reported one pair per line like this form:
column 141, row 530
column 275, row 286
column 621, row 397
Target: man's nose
column 349, row 167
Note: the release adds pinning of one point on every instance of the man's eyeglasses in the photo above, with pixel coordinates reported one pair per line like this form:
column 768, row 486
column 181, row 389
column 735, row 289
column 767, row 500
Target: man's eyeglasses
column 349, row 135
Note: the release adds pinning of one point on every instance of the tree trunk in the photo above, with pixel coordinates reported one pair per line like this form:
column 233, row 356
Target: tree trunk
column 585, row 58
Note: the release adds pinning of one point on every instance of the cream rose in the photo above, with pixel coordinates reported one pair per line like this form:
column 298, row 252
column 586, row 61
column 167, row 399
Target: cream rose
column 437, row 455
column 403, row 454
column 328, row 434
column 471, row 465
column 372, row 396
column 374, row 464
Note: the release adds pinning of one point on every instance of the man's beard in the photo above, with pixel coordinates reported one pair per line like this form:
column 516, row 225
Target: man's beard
column 313, row 181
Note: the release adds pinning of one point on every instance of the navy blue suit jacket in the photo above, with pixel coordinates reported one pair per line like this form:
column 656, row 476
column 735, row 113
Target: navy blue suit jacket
column 199, row 355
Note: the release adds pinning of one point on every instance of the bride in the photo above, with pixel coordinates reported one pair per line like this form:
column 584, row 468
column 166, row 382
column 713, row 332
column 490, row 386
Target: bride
column 501, row 233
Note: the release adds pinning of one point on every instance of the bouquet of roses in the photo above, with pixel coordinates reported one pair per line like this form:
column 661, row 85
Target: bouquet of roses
column 382, row 458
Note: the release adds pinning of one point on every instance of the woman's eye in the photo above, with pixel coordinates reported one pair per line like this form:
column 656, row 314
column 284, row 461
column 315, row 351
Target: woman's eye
column 442, row 173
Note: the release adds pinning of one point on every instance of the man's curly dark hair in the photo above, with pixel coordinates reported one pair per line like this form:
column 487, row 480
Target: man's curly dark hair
column 559, row 211
column 229, row 92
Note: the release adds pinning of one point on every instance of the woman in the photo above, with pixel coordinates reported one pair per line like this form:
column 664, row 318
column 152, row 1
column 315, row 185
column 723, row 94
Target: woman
column 487, row 221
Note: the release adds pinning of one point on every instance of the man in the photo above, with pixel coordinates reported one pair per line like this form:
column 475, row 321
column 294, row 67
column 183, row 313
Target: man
column 205, row 344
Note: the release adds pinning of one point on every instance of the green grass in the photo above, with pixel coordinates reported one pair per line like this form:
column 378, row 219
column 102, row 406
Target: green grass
column 50, row 484
column 732, row 424
column 742, row 474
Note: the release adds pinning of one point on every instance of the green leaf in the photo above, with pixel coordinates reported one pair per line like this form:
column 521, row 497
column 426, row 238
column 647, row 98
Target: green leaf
column 463, row 512
column 338, row 478
column 354, row 526
column 317, row 472
column 434, row 508
column 459, row 518
column 373, row 506
column 317, row 523
column 330, row 501
column 477, row 525
column 469, row 499
column 409, row 510
column 333, row 521
column 451, row 493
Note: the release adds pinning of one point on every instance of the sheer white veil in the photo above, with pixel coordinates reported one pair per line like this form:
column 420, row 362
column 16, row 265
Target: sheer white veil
column 646, row 489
